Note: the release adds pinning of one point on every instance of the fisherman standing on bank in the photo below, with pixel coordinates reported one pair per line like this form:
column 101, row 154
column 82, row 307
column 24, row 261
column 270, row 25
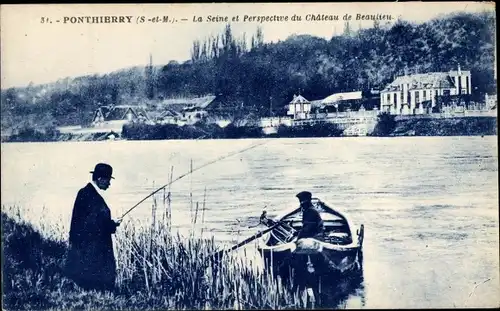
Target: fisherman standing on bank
column 312, row 224
column 91, row 262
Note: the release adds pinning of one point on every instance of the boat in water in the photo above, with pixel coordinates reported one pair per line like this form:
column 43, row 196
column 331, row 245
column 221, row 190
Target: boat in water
column 334, row 253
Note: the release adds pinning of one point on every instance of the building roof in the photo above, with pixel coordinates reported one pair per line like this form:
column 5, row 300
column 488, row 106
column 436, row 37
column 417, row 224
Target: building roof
column 101, row 111
column 425, row 81
column 169, row 113
column 120, row 112
column 317, row 103
column 299, row 99
column 459, row 73
column 188, row 102
column 342, row 96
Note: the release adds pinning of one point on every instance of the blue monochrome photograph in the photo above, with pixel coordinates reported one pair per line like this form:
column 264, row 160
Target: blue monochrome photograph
column 249, row 156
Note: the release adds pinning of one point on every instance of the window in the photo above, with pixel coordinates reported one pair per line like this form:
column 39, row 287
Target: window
column 388, row 97
column 417, row 97
column 446, row 92
column 424, row 95
column 394, row 98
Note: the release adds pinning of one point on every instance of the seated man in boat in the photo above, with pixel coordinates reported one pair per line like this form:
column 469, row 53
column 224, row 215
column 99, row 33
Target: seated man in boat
column 312, row 224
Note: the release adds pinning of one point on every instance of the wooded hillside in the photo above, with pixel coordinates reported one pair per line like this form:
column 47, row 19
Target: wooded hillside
column 247, row 70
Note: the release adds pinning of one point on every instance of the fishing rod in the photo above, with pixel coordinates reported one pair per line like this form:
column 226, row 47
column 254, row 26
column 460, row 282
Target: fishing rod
column 188, row 173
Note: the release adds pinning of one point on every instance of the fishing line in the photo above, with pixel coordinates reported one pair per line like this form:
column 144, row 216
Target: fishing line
column 190, row 172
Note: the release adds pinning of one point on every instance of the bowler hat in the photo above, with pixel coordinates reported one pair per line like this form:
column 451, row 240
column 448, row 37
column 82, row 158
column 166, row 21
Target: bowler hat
column 304, row 196
column 102, row 170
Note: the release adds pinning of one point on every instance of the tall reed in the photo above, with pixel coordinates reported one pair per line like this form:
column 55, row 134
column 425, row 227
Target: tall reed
column 160, row 263
column 156, row 269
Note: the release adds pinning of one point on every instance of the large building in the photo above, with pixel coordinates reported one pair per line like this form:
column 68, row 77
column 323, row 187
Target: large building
column 417, row 93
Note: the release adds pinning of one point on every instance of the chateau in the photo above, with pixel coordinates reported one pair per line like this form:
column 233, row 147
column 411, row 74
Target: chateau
column 417, row 93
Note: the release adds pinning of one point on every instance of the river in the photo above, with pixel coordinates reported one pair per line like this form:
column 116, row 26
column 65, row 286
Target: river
column 429, row 204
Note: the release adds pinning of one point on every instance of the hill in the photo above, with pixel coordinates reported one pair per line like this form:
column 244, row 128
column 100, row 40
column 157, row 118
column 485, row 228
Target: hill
column 264, row 75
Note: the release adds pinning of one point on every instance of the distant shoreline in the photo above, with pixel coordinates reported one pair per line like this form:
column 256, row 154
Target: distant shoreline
column 471, row 126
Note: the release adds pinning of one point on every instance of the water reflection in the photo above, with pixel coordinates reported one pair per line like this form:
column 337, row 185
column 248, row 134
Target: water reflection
column 334, row 290
column 322, row 287
column 343, row 291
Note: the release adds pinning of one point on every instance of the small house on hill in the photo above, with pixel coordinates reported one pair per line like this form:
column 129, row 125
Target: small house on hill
column 342, row 102
column 299, row 107
column 190, row 110
column 180, row 103
column 114, row 117
column 169, row 116
column 128, row 113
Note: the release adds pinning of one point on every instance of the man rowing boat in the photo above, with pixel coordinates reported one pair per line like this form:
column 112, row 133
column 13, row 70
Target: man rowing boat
column 312, row 224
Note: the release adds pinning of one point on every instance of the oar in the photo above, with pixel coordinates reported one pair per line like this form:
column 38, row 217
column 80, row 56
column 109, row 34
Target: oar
column 246, row 241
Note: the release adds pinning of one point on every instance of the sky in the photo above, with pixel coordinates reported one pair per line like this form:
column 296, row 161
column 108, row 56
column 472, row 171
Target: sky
column 32, row 51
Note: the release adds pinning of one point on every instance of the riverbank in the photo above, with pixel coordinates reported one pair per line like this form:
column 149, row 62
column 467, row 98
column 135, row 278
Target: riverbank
column 387, row 126
column 155, row 270
column 470, row 126
column 33, row 135
column 170, row 131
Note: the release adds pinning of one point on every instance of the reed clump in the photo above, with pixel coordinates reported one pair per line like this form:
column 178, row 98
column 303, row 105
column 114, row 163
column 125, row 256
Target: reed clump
column 156, row 269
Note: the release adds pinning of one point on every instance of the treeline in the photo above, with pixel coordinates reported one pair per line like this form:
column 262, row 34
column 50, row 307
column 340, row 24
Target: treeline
column 257, row 76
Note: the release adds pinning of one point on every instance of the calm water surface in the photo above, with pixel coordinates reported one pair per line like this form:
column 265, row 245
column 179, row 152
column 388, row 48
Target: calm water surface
column 429, row 204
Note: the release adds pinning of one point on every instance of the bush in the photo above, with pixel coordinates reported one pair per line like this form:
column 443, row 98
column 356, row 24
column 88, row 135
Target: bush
column 200, row 130
column 30, row 134
column 324, row 129
column 232, row 131
column 386, row 124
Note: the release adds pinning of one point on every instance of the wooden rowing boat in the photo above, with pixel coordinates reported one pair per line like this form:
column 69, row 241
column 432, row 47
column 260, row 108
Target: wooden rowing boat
column 334, row 252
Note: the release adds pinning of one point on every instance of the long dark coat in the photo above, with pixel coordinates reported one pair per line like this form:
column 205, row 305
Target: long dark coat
column 90, row 261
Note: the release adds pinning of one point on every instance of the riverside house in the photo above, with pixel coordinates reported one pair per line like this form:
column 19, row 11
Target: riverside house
column 169, row 116
column 113, row 118
column 418, row 93
column 299, row 108
column 347, row 104
column 355, row 112
column 185, row 110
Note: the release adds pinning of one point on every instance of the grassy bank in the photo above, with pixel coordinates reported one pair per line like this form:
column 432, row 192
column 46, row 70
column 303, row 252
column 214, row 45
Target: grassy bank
column 387, row 125
column 36, row 135
column 156, row 270
column 470, row 126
